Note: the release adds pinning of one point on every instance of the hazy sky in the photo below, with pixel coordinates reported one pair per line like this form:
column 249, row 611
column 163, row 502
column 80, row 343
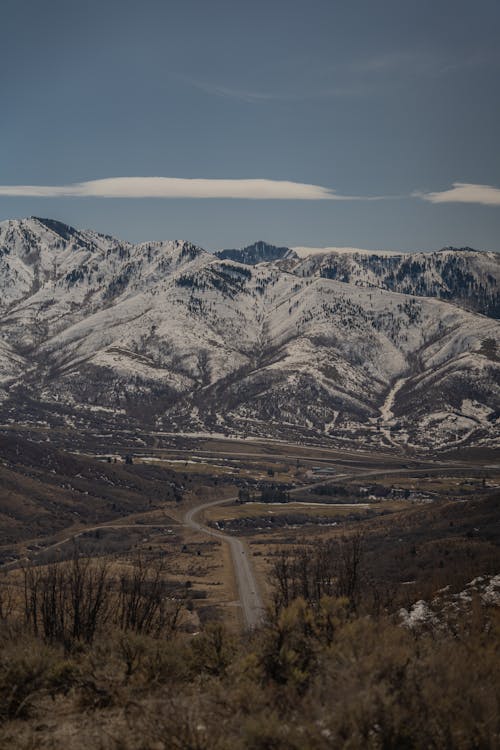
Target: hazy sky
column 288, row 105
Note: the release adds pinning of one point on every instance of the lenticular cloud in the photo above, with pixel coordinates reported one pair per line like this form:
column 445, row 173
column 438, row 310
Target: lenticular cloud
column 465, row 192
column 174, row 187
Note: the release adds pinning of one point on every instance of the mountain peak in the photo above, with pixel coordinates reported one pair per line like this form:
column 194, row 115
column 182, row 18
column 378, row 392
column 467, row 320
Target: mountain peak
column 58, row 227
column 259, row 252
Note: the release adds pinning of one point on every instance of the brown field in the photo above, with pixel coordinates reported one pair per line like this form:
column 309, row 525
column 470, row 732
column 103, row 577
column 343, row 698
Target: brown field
column 51, row 501
column 198, row 681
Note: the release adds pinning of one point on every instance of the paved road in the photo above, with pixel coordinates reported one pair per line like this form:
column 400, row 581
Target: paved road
column 251, row 603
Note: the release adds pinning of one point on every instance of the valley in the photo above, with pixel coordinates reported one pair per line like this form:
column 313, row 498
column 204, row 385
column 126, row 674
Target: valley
column 217, row 510
column 218, row 468
column 249, row 375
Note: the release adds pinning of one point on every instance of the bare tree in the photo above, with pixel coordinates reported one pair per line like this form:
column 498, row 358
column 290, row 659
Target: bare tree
column 6, row 600
column 67, row 602
column 332, row 568
column 145, row 601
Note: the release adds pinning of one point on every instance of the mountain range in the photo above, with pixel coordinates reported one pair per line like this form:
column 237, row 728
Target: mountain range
column 390, row 350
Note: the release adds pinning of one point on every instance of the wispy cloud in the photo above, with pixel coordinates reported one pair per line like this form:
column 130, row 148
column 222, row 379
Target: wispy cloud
column 421, row 62
column 357, row 77
column 389, row 62
column 175, row 187
column 233, row 93
column 255, row 96
column 465, row 192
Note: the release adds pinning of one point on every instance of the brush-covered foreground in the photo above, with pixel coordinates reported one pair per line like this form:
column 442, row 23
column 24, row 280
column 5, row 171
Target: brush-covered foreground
column 323, row 671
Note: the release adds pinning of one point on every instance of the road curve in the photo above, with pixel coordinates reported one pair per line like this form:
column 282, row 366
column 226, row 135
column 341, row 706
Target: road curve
column 251, row 603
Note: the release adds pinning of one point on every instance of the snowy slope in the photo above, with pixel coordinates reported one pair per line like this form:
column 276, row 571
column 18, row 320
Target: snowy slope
column 465, row 276
column 179, row 339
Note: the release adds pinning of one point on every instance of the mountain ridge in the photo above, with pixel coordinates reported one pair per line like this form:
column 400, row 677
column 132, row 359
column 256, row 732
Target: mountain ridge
column 168, row 336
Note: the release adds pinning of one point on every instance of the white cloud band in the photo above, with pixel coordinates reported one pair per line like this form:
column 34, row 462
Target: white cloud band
column 173, row 187
column 464, row 192
column 178, row 187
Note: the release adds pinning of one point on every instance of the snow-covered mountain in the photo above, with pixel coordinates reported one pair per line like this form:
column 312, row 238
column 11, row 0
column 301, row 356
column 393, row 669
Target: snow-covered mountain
column 165, row 335
column 461, row 275
column 259, row 252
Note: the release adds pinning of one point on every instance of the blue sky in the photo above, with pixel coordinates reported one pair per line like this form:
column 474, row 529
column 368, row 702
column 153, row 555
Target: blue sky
column 395, row 100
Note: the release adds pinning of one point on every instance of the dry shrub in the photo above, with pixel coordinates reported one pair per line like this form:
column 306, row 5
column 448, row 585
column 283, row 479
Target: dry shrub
column 212, row 650
column 380, row 687
column 315, row 676
column 29, row 670
column 183, row 722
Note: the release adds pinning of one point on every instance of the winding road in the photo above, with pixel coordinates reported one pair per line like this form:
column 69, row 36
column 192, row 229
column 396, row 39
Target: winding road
column 251, row 603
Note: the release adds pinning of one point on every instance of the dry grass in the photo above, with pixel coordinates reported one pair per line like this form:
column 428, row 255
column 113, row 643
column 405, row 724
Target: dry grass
column 312, row 510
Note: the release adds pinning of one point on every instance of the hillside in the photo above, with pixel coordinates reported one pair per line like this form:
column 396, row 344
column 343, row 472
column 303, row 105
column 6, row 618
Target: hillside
column 393, row 350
